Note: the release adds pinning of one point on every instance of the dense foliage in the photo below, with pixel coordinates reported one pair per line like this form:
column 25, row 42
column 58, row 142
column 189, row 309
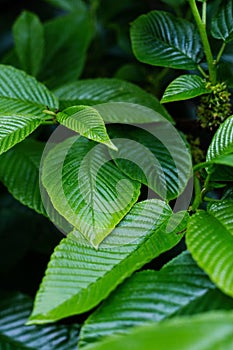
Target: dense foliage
column 116, row 156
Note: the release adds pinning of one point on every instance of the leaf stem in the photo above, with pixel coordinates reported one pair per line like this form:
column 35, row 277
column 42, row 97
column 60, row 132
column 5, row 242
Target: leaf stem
column 220, row 52
column 202, row 72
column 205, row 41
column 197, row 190
column 204, row 8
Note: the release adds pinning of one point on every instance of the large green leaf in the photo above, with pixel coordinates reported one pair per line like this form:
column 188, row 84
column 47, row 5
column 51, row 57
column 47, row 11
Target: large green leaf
column 87, row 122
column 184, row 88
column 19, row 171
column 222, row 22
column 203, row 332
column 161, row 39
column 29, row 42
column 86, row 188
column 210, row 241
column 102, row 90
column 78, row 276
column 21, row 93
column 14, row 335
column 157, row 157
column 66, row 42
column 152, row 296
column 14, row 129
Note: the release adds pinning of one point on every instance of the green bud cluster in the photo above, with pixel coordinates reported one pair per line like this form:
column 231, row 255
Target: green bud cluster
column 215, row 107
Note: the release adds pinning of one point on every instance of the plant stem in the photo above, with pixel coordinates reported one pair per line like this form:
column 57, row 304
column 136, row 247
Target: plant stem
column 220, row 52
column 204, row 12
column 197, row 190
column 205, row 41
column 202, row 71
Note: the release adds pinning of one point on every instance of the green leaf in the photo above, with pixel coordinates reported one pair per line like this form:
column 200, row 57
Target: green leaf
column 69, row 5
column 21, row 93
column 222, row 22
column 203, row 332
column 86, row 189
column 29, row 42
column 19, row 171
column 151, row 296
column 101, row 90
column 185, row 87
column 157, row 157
column 210, row 241
column 66, row 41
column 160, row 39
column 87, row 122
column 220, row 152
column 174, row 3
column 14, row 335
column 78, row 276
column 14, row 129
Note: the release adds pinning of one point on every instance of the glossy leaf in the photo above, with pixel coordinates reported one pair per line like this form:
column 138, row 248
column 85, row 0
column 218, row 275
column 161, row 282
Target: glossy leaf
column 66, row 41
column 222, row 22
column 139, row 237
column 160, row 39
column 181, row 287
column 184, row 88
column 19, row 171
column 203, row 332
column 87, row 121
column 210, row 241
column 14, row 129
column 21, row 93
column 157, row 157
column 14, row 335
column 86, row 189
column 101, row 90
column 29, row 42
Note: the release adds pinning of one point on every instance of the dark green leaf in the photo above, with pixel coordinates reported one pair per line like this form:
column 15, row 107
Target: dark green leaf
column 160, row 39
column 69, row 5
column 29, row 42
column 222, row 22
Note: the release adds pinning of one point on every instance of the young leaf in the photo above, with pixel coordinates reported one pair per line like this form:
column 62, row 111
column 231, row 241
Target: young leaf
column 14, row 335
column 160, row 39
column 86, row 189
column 101, row 90
column 78, row 276
column 203, row 332
column 19, row 171
column 157, row 157
column 66, row 41
column 29, row 42
column 184, row 88
column 210, row 241
column 21, row 93
column 152, row 296
column 87, row 122
column 222, row 22
column 14, row 129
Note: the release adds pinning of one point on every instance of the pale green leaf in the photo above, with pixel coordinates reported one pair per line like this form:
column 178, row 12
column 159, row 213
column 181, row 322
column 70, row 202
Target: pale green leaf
column 78, row 276
column 87, row 121
column 101, row 90
column 29, row 41
column 185, row 87
column 210, row 241
column 19, row 171
column 181, row 287
column 14, row 335
column 157, row 157
column 203, row 332
column 14, row 129
column 222, row 22
column 23, row 94
column 66, row 41
column 160, row 39
column 86, row 189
